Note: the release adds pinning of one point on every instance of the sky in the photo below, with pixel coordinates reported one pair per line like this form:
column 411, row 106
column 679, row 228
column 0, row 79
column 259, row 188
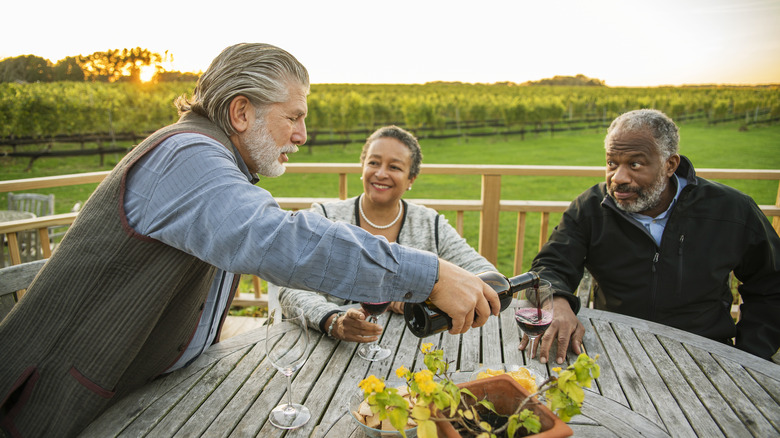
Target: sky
column 622, row 42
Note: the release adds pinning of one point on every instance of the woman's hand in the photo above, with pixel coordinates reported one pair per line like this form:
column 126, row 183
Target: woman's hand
column 353, row 327
column 396, row 307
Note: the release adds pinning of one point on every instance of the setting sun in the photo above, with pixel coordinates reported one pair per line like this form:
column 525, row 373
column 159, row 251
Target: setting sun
column 147, row 73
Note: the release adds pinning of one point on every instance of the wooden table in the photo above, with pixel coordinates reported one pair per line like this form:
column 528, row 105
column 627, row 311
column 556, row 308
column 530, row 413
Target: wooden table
column 15, row 215
column 656, row 381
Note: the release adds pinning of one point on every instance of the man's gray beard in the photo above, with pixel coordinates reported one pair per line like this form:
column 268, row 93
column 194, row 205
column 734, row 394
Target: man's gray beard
column 263, row 150
column 646, row 199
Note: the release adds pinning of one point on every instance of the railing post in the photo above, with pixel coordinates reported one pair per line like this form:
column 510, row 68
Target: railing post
column 488, row 218
column 776, row 219
column 519, row 243
column 342, row 186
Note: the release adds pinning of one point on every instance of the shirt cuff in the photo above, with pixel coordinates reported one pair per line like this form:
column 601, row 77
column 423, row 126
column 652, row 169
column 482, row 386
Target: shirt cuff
column 416, row 275
column 324, row 320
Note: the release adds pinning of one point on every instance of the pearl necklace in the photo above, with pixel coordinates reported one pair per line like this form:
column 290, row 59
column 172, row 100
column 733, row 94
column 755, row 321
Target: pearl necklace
column 380, row 227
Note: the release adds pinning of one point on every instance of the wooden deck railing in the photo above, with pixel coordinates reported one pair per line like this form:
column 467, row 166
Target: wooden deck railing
column 489, row 205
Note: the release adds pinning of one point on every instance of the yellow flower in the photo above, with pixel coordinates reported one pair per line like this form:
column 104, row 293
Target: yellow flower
column 423, row 376
column 401, row 371
column 426, row 348
column 557, row 369
column 372, row 384
column 427, row 387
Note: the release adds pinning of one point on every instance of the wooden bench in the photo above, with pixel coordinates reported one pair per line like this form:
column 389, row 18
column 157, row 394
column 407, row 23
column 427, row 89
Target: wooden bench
column 13, row 281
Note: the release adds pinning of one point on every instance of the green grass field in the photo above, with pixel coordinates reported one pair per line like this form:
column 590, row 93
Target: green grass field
column 721, row 146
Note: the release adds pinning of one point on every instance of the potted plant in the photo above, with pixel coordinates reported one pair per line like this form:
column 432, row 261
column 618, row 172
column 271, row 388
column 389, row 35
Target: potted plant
column 493, row 407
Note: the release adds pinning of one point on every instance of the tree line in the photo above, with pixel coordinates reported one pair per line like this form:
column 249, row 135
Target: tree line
column 113, row 65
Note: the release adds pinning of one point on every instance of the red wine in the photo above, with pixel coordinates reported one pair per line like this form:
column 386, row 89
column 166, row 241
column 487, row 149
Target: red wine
column 533, row 321
column 424, row 319
column 375, row 308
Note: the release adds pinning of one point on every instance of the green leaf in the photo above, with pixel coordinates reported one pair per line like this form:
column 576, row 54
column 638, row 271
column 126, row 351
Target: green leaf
column 427, row 429
column 488, row 405
column 421, row 412
column 512, row 426
column 530, row 421
column 398, row 418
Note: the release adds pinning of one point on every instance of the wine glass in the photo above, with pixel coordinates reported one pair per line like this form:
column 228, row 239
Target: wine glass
column 286, row 344
column 534, row 311
column 373, row 351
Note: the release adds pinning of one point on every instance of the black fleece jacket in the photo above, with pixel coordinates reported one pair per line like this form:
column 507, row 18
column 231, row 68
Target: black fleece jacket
column 712, row 230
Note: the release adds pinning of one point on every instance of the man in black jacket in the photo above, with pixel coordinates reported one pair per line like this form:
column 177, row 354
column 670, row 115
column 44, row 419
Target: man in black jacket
column 661, row 244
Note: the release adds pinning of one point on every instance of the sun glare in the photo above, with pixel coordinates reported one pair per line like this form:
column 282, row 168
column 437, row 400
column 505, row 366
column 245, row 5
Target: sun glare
column 147, row 73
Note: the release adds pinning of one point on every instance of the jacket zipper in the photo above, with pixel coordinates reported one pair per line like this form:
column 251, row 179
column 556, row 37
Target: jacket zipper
column 653, row 290
column 680, row 264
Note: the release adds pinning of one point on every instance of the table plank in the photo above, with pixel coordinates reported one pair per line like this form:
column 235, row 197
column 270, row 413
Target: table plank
column 591, row 431
column 491, row 342
column 620, row 419
column 223, row 394
column 729, row 423
column 744, row 407
column 608, row 383
column 757, row 395
column 697, row 415
column 469, row 350
column 510, row 338
column 671, row 416
column 242, row 400
column 630, row 383
column 208, row 384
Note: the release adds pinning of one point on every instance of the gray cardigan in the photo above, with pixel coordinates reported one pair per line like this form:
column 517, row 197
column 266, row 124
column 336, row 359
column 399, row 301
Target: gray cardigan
column 421, row 227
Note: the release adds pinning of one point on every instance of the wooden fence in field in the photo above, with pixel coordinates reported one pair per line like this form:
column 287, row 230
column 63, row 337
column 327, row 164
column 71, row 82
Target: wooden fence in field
column 489, row 205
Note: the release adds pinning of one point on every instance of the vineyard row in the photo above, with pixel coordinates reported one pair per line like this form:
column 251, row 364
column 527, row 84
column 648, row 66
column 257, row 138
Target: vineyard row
column 46, row 110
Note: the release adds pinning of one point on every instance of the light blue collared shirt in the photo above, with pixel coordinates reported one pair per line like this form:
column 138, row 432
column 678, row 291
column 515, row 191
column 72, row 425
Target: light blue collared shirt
column 656, row 225
column 193, row 194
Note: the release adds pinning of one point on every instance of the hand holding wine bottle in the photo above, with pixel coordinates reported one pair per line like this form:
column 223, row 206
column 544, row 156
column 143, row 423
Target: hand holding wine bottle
column 464, row 297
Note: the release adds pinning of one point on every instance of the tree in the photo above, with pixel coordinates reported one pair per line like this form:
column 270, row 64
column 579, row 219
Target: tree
column 67, row 69
column 113, row 64
column 25, row 68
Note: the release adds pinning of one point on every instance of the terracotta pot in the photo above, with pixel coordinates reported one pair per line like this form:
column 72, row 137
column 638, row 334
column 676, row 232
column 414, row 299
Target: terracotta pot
column 505, row 394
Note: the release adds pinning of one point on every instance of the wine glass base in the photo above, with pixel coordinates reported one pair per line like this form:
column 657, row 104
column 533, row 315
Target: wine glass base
column 373, row 355
column 285, row 418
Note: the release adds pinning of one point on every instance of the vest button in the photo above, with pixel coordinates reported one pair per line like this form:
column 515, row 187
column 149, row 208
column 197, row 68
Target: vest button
column 408, row 295
column 182, row 347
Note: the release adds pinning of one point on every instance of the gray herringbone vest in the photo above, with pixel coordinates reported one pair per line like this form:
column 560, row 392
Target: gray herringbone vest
column 108, row 312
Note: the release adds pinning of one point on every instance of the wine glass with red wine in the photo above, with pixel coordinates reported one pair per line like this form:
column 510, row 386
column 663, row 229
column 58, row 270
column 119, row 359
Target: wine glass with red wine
column 373, row 351
column 534, row 311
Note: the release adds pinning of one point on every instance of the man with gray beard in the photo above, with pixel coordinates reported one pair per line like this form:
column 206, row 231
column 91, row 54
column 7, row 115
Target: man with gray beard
column 141, row 283
column 661, row 244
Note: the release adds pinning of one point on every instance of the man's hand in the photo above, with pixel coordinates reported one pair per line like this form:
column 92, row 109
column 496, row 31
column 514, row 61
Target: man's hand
column 460, row 294
column 566, row 328
column 353, row 327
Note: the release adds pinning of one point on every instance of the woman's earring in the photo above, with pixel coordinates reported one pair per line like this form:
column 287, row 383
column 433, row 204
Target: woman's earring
column 361, row 178
column 410, row 188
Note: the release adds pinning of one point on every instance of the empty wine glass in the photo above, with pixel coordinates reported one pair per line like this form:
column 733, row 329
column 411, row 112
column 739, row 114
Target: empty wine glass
column 373, row 351
column 534, row 311
column 287, row 345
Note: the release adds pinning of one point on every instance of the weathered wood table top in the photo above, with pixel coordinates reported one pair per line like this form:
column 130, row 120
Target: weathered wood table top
column 655, row 381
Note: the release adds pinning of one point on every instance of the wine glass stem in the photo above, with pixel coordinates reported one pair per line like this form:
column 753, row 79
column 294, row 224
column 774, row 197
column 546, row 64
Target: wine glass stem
column 289, row 409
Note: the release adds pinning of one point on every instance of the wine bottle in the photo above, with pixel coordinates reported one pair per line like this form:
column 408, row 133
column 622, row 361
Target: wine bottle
column 425, row 319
